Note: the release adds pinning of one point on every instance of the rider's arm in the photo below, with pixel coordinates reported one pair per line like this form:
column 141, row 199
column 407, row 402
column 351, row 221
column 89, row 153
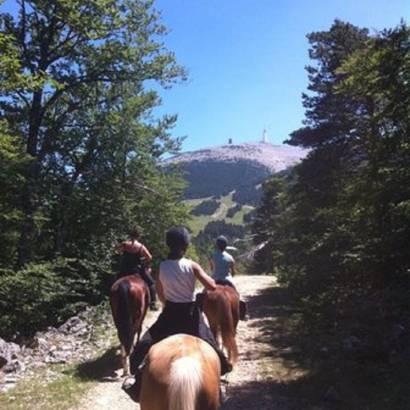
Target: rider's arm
column 160, row 291
column 146, row 254
column 204, row 278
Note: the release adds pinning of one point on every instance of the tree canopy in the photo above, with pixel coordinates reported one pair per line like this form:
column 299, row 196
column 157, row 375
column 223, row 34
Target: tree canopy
column 80, row 148
column 339, row 227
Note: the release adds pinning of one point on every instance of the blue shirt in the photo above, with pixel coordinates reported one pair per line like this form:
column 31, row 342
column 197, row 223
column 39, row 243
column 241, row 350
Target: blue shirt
column 222, row 265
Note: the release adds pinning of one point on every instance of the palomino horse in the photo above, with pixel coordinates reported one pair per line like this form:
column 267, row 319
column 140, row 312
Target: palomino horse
column 182, row 372
column 221, row 307
column 129, row 300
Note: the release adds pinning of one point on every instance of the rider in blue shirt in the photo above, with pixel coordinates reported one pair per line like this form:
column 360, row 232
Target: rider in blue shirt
column 223, row 269
column 222, row 263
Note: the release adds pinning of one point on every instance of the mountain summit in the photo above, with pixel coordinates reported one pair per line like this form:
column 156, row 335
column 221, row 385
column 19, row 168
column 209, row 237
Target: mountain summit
column 274, row 158
column 222, row 169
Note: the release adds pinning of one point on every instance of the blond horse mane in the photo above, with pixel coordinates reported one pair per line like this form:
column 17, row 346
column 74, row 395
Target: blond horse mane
column 185, row 383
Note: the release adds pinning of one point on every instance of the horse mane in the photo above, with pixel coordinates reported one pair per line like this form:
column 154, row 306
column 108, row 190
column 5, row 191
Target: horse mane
column 185, row 383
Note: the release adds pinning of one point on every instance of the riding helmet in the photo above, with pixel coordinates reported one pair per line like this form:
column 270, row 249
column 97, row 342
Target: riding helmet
column 177, row 237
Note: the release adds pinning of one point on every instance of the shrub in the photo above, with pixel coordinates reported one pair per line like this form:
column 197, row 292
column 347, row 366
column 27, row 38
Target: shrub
column 47, row 294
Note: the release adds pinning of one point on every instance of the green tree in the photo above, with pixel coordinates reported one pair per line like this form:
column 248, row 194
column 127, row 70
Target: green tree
column 340, row 235
column 378, row 78
column 265, row 226
column 80, row 151
column 78, row 58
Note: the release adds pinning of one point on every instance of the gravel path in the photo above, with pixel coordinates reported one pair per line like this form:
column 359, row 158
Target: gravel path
column 256, row 381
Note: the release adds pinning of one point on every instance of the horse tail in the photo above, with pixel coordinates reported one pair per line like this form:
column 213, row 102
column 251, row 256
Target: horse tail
column 124, row 319
column 185, row 383
column 228, row 331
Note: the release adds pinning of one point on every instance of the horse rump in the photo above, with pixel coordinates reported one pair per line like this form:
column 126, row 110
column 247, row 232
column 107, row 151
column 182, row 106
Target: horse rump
column 120, row 306
column 181, row 373
column 221, row 307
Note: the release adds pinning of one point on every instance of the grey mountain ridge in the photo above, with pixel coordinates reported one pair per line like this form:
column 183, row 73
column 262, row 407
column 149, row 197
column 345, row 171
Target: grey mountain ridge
column 218, row 170
column 274, row 157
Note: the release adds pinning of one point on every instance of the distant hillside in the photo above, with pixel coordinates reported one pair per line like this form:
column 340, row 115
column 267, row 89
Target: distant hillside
column 219, row 170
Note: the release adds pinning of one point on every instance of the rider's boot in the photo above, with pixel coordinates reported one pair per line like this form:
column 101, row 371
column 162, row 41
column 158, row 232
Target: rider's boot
column 243, row 310
column 132, row 385
column 226, row 366
column 153, row 296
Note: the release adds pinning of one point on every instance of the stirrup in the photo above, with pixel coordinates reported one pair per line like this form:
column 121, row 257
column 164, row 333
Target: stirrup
column 132, row 387
column 243, row 310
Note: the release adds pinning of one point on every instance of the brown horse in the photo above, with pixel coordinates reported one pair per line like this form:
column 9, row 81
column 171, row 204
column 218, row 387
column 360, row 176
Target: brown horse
column 182, row 372
column 221, row 307
column 129, row 300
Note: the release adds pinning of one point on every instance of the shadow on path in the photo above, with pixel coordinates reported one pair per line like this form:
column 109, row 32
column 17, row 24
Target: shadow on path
column 274, row 318
column 310, row 368
column 102, row 368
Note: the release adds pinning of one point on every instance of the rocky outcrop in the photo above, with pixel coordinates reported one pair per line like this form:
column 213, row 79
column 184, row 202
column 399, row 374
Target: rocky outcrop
column 73, row 341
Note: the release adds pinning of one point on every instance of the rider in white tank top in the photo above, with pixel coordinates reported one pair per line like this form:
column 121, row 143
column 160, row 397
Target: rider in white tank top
column 178, row 280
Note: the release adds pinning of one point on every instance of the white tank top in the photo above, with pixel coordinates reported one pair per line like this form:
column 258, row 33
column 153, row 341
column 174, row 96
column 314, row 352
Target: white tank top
column 178, row 280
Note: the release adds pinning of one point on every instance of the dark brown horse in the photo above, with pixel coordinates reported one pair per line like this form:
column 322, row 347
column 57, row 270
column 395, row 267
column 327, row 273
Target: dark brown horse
column 182, row 373
column 129, row 300
column 221, row 307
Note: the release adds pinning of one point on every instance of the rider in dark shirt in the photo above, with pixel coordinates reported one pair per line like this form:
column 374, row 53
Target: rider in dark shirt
column 134, row 260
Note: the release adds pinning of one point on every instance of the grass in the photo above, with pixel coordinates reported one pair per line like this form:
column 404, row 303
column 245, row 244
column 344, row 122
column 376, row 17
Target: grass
column 198, row 223
column 237, row 219
column 37, row 393
column 68, row 382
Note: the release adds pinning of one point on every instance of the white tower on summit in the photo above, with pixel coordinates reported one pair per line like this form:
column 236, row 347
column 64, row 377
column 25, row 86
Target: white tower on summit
column 264, row 136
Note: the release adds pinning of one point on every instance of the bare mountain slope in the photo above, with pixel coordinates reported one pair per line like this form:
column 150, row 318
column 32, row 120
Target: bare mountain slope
column 222, row 169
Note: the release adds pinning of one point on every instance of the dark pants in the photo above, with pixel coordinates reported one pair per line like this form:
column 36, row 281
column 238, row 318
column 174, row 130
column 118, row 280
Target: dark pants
column 226, row 282
column 176, row 318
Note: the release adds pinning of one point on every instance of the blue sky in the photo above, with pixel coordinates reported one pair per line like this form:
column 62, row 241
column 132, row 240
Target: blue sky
column 246, row 61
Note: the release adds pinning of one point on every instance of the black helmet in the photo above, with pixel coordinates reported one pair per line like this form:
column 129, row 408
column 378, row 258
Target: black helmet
column 221, row 242
column 177, row 237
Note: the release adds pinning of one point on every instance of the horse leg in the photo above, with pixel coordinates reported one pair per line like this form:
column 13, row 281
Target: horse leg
column 217, row 335
column 125, row 358
column 229, row 341
column 139, row 333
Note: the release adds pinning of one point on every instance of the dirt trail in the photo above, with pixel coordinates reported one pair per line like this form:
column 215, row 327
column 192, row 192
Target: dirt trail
column 256, row 381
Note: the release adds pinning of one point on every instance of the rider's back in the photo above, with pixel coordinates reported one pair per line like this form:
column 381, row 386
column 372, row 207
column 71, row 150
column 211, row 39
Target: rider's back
column 222, row 265
column 178, row 280
column 131, row 259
